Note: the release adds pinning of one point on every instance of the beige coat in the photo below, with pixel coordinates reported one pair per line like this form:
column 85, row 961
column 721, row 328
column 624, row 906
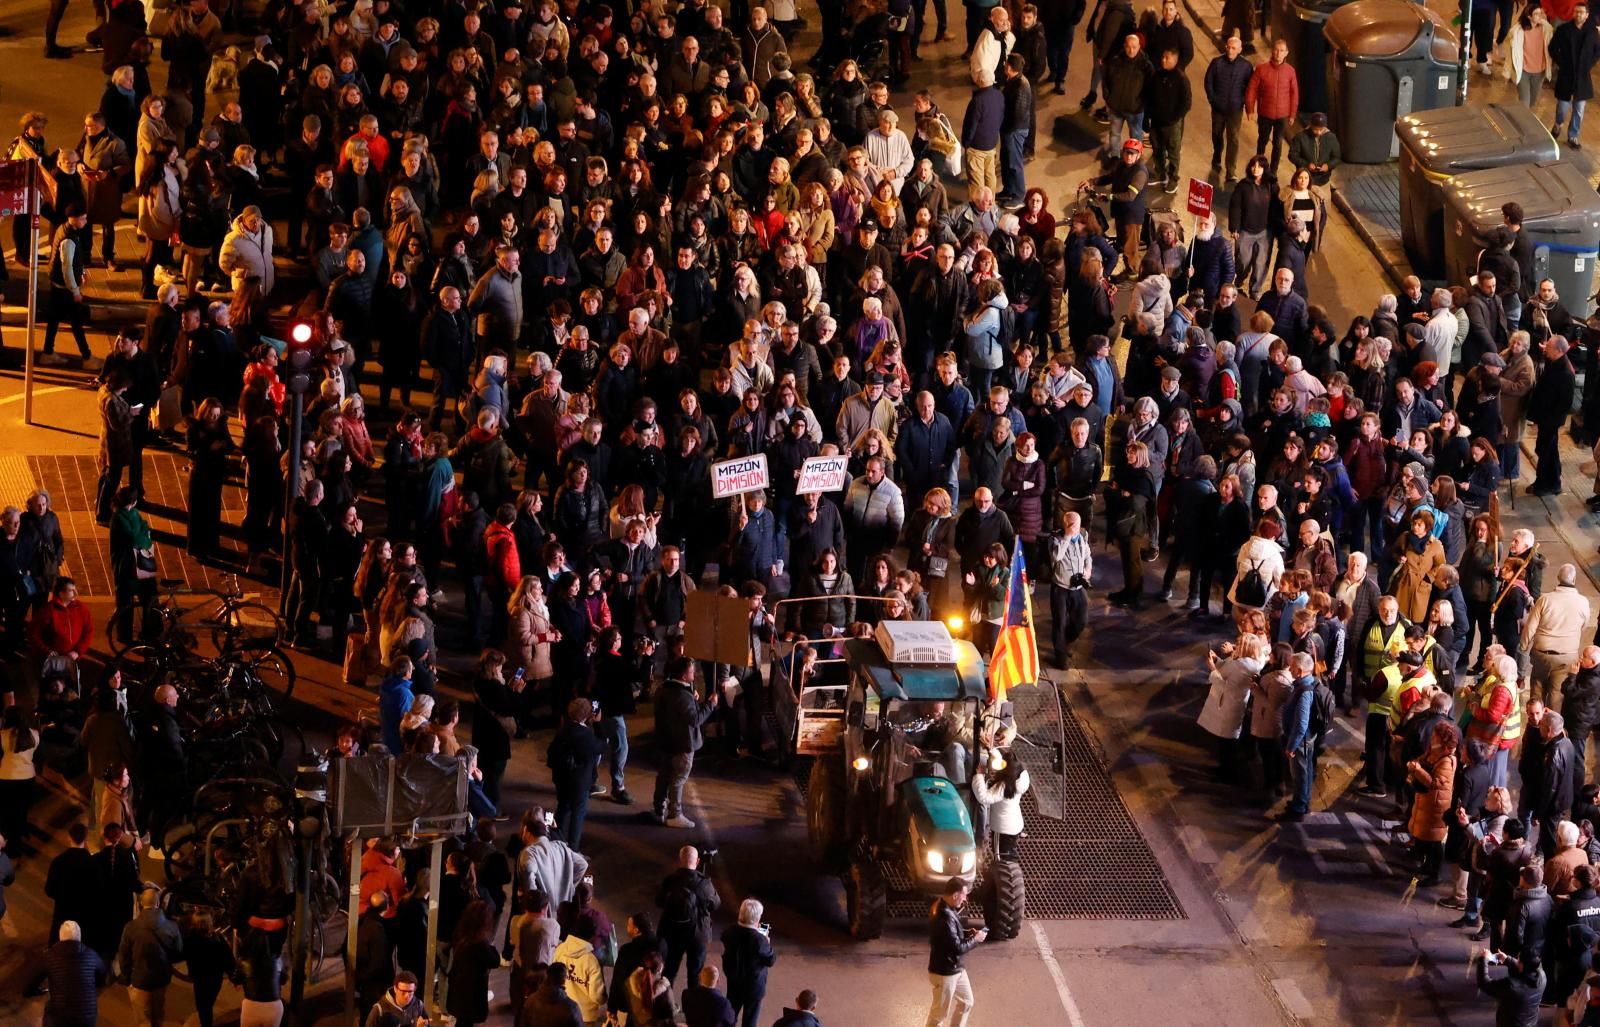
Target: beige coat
column 103, row 195
column 523, row 649
column 1412, row 583
column 1516, row 381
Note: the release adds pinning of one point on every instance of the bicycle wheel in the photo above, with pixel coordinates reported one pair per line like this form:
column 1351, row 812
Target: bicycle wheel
column 275, row 671
column 247, row 626
column 185, row 853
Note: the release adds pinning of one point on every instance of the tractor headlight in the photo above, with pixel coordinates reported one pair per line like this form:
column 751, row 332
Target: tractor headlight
column 969, row 860
column 935, row 861
column 861, row 763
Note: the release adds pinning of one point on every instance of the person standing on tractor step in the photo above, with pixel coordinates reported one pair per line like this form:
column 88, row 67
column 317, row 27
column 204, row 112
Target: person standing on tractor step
column 949, row 943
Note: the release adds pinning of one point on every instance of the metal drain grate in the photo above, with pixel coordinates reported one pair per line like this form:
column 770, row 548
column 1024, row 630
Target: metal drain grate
column 1091, row 862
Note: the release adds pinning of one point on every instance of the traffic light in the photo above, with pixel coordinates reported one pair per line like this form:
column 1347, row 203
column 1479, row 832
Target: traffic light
column 298, row 358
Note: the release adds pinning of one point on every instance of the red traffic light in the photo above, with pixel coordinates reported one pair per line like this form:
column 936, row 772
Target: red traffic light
column 300, row 333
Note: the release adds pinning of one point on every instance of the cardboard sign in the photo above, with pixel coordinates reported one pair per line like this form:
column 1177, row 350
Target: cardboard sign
column 823, row 474
column 738, row 476
column 1199, row 197
column 717, row 628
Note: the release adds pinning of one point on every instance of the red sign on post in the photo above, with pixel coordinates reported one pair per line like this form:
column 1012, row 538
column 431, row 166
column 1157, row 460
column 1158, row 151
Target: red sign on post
column 1199, row 197
column 16, row 178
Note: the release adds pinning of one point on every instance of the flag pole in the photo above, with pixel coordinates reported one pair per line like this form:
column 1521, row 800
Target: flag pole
column 33, row 290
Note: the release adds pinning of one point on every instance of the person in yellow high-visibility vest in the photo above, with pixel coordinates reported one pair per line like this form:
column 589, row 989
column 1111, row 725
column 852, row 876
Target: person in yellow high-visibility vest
column 1495, row 712
column 1383, row 700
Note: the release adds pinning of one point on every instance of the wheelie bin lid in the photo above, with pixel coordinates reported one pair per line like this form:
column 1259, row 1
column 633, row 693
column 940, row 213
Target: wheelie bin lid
column 1448, row 140
column 1377, row 29
column 1556, row 198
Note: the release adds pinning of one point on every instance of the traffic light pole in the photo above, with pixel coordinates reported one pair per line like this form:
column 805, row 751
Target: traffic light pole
column 1464, row 60
column 33, row 290
column 297, row 404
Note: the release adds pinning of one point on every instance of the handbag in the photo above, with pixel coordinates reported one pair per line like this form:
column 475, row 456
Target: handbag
column 169, row 409
column 144, row 564
column 938, row 566
column 355, row 658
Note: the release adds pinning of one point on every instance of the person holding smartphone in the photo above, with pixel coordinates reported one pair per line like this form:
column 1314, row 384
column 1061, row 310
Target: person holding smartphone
column 949, row 943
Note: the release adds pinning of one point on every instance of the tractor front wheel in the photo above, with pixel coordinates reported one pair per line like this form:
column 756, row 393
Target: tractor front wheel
column 1007, row 910
column 866, row 899
column 825, row 813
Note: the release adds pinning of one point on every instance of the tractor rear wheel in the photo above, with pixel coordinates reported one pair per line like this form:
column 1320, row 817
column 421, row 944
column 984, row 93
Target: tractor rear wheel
column 1008, row 908
column 866, row 899
column 825, row 802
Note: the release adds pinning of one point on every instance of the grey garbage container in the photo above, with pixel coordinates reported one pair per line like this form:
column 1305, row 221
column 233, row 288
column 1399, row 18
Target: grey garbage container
column 1299, row 24
column 1436, row 144
column 1388, row 58
column 1560, row 213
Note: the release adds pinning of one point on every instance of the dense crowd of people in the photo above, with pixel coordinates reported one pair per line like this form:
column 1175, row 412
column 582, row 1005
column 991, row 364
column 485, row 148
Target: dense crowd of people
column 626, row 245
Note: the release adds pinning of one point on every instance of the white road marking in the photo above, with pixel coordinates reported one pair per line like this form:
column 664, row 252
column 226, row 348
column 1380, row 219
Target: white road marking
column 43, row 392
column 1048, row 955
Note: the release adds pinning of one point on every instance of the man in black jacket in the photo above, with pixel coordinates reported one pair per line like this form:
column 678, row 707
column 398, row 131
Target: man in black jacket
column 71, row 881
column 447, row 345
column 1516, row 995
column 1574, row 51
column 1015, row 127
column 1167, row 99
column 1580, row 704
column 948, row 944
column 162, row 763
column 1548, row 404
column 574, row 760
column 687, row 899
column 75, row 973
column 1556, row 781
column 679, row 717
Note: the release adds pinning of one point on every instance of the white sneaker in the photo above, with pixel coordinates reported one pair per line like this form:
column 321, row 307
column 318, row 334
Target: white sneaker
column 598, row 793
column 680, row 821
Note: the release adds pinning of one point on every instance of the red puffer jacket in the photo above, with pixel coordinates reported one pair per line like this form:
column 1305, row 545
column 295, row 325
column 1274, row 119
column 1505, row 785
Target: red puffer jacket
column 1274, row 90
column 505, row 566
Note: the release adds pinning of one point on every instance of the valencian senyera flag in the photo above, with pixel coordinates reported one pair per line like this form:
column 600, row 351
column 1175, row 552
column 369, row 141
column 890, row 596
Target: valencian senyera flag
column 1016, row 653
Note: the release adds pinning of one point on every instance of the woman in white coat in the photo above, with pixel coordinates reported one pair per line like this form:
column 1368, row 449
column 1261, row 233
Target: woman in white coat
column 1261, row 554
column 999, row 790
column 1525, row 58
column 1228, row 702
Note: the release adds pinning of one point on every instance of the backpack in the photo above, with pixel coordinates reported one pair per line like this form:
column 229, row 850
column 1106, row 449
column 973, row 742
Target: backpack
column 682, row 906
column 1251, row 589
column 1322, row 713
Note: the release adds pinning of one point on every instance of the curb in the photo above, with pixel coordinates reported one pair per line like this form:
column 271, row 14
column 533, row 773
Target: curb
column 1396, row 271
column 1215, row 34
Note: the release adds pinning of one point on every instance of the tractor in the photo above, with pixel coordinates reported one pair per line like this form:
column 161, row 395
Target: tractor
column 891, row 725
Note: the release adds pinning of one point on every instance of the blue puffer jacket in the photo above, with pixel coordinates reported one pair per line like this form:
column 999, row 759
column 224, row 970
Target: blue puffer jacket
column 1212, row 264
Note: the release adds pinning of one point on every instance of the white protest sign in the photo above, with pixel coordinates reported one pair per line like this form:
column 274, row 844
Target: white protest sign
column 739, row 475
column 823, row 474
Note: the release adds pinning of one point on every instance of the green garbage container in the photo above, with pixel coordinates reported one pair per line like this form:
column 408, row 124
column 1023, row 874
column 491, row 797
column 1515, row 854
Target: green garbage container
column 1388, row 58
column 1560, row 214
column 1437, row 144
